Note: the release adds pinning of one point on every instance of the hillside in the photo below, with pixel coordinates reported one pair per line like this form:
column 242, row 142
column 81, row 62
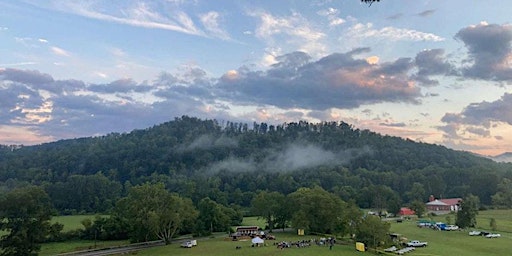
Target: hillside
column 230, row 161
column 505, row 157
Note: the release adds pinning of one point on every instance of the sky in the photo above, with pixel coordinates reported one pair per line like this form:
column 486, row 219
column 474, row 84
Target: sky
column 430, row 71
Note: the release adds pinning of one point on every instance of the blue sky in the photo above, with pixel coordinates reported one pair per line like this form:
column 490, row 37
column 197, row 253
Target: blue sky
column 431, row 71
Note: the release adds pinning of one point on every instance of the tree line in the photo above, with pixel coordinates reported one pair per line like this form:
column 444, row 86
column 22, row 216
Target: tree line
column 150, row 212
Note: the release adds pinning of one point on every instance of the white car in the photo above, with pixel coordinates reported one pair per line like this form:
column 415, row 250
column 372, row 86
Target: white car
column 493, row 235
column 451, row 227
column 475, row 233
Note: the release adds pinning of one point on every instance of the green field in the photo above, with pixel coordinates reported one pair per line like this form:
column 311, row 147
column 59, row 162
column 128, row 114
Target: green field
column 440, row 242
column 72, row 222
column 71, row 246
column 225, row 247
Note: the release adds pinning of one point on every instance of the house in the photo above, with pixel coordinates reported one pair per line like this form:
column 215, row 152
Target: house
column 242, row 231
column 443, row 206
column 404, row 211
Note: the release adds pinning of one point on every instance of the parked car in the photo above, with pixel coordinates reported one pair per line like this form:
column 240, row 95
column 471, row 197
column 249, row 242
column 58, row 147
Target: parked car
column 475, row 233
column 451, row 227
column 416, row 243
column 493, row 235
column 189, row 244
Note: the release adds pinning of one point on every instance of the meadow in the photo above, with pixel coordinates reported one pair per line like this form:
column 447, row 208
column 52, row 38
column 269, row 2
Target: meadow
column 440, row 242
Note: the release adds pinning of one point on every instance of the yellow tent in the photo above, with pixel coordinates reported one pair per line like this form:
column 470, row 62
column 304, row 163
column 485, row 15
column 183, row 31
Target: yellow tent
column 360, row 247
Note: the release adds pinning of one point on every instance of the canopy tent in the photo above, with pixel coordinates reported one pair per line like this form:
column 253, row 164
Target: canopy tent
column 257, row 240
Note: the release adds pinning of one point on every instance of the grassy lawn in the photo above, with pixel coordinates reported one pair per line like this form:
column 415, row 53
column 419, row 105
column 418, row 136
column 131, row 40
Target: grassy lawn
column 225, row 247
column 440, row 242
column 454, row 242
column 254, row 221
column 503, row 220
column 72, row 222
column 70, row 246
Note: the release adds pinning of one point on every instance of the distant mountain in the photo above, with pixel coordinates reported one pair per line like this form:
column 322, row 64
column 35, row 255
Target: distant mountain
column 229, row 162
column 503, row 158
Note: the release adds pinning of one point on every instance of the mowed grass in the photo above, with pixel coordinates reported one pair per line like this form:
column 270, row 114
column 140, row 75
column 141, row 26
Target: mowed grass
column 454, row 242
column 72, row 222
column 254, row 221
column 225, row 247
column 48, row 249
column 503, row 220
column 440, row 242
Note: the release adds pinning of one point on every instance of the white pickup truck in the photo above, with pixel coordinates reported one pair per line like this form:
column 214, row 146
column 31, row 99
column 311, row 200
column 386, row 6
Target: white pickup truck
column 416, row 243
column 189, row 244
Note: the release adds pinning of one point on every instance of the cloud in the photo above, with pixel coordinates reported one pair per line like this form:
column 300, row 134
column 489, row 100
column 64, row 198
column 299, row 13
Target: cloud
column 296, row 86
column 432, row 62
column 120, row 86
column 141, row 14
column 60, row 51
column 332, row 16
column 210, row 22
column 400, row 124
column 360, row 30
column 294, row 31
column 291, row 158
column 478, row 119
column 334, row 81
column 426, row 13
column 395, row 16
column 32, row 77
column 483, row 113
column 489, row 51
column 208, row 142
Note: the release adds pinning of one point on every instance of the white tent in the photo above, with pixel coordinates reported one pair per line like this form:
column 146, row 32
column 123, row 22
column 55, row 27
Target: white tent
column 257, row 240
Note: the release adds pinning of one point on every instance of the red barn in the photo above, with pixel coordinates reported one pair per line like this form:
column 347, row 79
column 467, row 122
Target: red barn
column 404, row 211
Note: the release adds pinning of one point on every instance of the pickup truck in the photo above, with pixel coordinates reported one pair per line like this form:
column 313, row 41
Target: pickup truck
column 189, row 244
column 416, row 243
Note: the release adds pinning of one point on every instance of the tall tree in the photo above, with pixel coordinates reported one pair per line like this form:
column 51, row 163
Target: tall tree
column 418, row 207
column 503, row 198
column 25, row 215
column 154, row 212
column 267, row 205
column 372, row 231
column 212, row 217
column 317, row 210
column 466, row 217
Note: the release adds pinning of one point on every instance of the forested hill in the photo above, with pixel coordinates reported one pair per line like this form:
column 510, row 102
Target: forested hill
column 230, row 161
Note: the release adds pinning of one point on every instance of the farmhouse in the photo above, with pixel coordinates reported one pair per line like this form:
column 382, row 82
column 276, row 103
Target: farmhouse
column 248, row 231
column 443, row 206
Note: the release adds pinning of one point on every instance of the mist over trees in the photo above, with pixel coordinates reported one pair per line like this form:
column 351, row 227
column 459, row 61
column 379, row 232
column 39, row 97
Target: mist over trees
column 230, row 163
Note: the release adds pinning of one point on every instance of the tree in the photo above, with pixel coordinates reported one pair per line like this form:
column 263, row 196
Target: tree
column 418, row 207
column 212, row 217
column 154, row 212
column 373, row 231
column 466, row 217
column 316, row 210
column 417, row 192
column 268, row 206
column 503, row 197
column 493, row 225
column 25, row 215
